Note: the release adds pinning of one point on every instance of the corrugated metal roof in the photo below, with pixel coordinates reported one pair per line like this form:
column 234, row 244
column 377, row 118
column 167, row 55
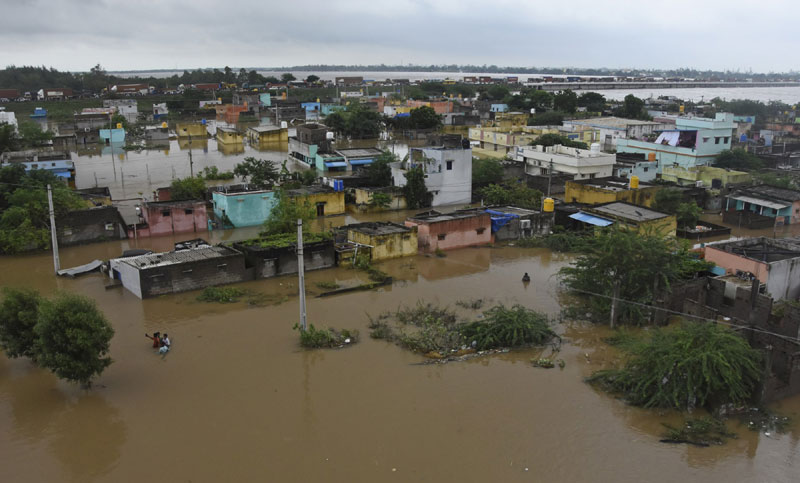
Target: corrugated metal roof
column 592, row 220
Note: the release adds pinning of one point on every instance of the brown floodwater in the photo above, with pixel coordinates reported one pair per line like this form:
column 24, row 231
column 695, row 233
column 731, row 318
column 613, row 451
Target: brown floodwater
column 238, row 400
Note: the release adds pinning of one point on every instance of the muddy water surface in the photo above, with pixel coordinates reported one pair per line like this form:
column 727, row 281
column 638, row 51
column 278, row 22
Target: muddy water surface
column 238, row 400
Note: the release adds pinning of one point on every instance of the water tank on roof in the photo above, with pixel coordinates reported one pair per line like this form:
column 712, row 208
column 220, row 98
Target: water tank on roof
column 634, row 182
column 549, row 205
column 651, row 156
column 594, row 148
column 284, row 125
column 329, row 136
column 164, row 125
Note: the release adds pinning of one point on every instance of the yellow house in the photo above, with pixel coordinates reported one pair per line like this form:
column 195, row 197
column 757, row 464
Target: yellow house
column 708, row 175
column 510, row 119
column 606, row 190
column 229, row 135
column 230, row 149
column 191, row 130
column 496, row 140
column 323, row 198
column 643, row 220
column 364, row 198
column 267, row 135
column 385, row 239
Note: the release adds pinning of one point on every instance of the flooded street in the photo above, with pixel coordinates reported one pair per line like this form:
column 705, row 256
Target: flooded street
column 237, row 399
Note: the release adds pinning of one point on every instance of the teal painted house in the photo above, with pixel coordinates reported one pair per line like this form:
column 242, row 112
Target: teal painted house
column 243, row 208
column 696, row 141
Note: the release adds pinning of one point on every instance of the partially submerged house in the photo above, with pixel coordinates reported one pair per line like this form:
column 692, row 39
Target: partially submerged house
column 384, row 240
column 358, row 157
column 326, row 201
column 268, row 135
column 229, row 135
column 774, row 262
column 365, row 197
column 179, row 271
column 780, row 206
column 272, row 257
column 606, row 190
column 447, row 168
column 626, row 215
column 579, row 163
column 513, row 223
column 100, row 223
column 191, row 130
column 446, row 231
column 170, row 218
column 243, row 208
column 57, row 162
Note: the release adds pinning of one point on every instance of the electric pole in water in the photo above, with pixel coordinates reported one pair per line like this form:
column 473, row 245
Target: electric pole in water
column 191, row 164
column 53, row 235
column 300, row 274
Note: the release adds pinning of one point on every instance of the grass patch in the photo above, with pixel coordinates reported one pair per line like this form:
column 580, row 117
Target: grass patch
column 703, row 431
column 569, row 241
column 472, row 304
column 222, row 295
column 283, row 240
column 313, row 338
column 439, row 253
column 376, row 275
column 763, row 419
column 437, row 331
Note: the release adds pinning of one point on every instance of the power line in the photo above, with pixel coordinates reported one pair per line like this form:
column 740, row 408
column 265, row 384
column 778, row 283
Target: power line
column 675, row 312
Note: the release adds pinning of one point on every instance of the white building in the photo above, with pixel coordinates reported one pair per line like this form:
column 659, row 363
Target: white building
column 613, row 128
column 579, row 163
column 128, row 108
column 448, row 173
column 8, row 118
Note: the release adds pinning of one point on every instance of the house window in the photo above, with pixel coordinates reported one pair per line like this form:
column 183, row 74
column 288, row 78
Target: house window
column 109, row 227
column 222, row 266
column 727, row 139
column 441, row 236
column 165, row 213
column 716, row 140
column 481, row 230
column 449, row 165
column 705, row 139
column 645, row 169
column 188, row 211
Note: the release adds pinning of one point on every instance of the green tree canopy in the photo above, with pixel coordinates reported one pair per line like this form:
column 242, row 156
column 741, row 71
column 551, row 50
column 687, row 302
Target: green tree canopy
column 551, row 118
column 424, row 118
column 632, row 108
column 552, row 139
column 565, row 101
column 261, row 173
column 486, row 170
column 284, row 215
column 189, row 188
column 312, row 79
column 516, row 194
column 497, row 92
column 18, row 317
column 667, row 200
column 415, row 191
column 592, row 101
column 73, row 338
column 287, row 77
column 379, row 173
column 738, row 159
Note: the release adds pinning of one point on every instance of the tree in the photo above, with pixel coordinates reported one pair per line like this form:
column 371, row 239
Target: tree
column 552, row 118
column 119, row 119
column 261, row 173
column 187, row 189
column 8, row 138
column 336, row 122
column 228, row 75
column 700, row 363
column 31, row 134
column 379, row 173
column 633, row 108
column 73, row 338
column 380, row 200
column 415, row 191
column 667, row 201
column 287, row 77
column 284, row 215
column 687, row 214
column 738, row 158
column 634, row 267
column 592, row 101
column 486, row 170
column 516, row 194
column 312, row 79
column 18, row 316
column 425, row 117
column 566, row 101
column 497, row 92
column 552, row 139
column 540, row 100
column 361, row 122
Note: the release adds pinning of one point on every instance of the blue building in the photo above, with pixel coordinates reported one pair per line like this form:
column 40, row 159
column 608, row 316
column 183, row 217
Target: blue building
column 243, row 208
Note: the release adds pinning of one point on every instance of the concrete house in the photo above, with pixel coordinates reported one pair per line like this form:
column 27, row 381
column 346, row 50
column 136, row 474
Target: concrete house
column 95, row 224
column 171, row 217
column 364, row 197
column 513, row 223
column 179, row 271
column 358, row 157
column 580, row 163
column 643, row 166
column 446, row 231
column 243, row 208
column 628, row 216
column 312, row 146
column 448, row 171
column 229, row 135
column 57, row 162
column 324, row 199
column 259, row 135
column 695, row 141
column 774, row 262
column 269, row 260
column 606, row 190
column 781, row 206
column 705, row 176
column 612, row 128
column 385, row 240
column 191, row 130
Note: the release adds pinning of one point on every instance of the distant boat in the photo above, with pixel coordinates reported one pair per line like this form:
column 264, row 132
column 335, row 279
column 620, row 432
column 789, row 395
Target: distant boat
column 39, row 112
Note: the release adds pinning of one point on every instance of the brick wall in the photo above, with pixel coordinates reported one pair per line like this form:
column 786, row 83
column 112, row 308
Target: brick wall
column 181, row 277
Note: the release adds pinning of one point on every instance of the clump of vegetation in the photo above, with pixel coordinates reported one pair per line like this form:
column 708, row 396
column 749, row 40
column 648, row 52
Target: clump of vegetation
column 514, row 194
column 313, row 338
column 763, row 419
column 282, row 240
column 568, row 241
column 703, row 431
column 693, row 365
column 284, row 215
column 327, row 285
column 502, row 326
column 376, row 275
column 67, row 335
column 223, row 295
column 439, row 253
column 187, row 189
column 437, row 331
column 473, row 304
column 213, row 173
column 260, row 173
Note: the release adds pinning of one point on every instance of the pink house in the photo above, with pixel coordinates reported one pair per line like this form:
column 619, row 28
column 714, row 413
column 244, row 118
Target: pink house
column 171, row 217
column 463, row 228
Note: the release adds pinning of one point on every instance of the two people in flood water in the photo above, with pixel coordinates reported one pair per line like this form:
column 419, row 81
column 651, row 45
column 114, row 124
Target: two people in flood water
column 160, row 342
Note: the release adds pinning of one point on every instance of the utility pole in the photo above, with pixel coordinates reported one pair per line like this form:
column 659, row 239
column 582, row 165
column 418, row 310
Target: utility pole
column 614, row 301
column 191, row 164
column 53, row 235
column 300, row 274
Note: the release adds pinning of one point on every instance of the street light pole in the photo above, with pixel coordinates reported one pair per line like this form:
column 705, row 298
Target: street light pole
column 53, row 235
column 301, row 274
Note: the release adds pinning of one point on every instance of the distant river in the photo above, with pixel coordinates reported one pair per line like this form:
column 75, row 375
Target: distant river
column 790, row 95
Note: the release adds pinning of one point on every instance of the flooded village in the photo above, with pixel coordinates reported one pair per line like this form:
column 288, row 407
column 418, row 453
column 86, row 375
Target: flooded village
column 350, row 278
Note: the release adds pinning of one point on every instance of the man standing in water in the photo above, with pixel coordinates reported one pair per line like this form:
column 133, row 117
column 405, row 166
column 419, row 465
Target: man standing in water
column 155, row 338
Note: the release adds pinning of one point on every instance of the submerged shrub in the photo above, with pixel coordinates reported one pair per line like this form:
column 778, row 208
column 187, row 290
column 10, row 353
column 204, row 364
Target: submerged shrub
column 508, row 327
column 223, row 295
column 696, row 364
column 313, row 338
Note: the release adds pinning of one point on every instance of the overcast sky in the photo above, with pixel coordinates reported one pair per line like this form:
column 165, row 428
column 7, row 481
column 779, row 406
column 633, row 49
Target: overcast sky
column 167, row 34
